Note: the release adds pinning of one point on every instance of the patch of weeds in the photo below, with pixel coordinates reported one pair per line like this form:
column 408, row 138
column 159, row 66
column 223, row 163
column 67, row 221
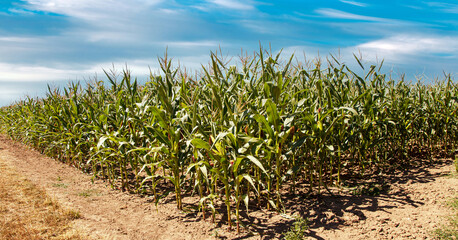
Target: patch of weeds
column 88, row 193
column 371, row 189
column 51, row 203
column 72, row 214
column 456, row 163
column 298, row 230
column 454, row 203
column 454, row 174
column 449, row 231
column 60, row 185
column 216, row 234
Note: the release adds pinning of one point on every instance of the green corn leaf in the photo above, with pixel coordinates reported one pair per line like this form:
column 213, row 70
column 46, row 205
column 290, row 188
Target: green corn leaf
column 257, row 163
column 200, row 144
column 266, row 127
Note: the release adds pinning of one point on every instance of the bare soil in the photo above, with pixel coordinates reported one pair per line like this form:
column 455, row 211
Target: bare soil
column 410, row 205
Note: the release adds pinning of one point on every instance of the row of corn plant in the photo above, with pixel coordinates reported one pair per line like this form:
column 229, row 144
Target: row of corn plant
column 243, row 136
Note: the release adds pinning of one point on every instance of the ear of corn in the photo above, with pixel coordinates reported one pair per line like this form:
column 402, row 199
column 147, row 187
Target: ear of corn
column 246, row 133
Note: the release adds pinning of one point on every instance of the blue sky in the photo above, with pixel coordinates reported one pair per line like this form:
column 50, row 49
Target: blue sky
column 55, row 41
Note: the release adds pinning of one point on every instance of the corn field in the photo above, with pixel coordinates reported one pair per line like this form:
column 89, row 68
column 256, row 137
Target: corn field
column 238, row 137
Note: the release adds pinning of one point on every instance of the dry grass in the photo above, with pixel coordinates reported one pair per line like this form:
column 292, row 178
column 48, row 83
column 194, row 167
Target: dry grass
column 28, row 213
column 450, row 230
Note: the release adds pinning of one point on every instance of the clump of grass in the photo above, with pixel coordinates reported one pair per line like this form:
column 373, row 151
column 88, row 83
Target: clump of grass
column 456, row 163
column 88, row 193
column 72, row 214
column 450, row 231
column 298, row 230
column 371, row 189
column 60, row 185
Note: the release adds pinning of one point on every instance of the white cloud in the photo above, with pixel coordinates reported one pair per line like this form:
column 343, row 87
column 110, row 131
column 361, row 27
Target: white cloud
column 170, row 11
column 231, row 4
column 17, row 39
column 119, row 22
column 359, row 4
column 19, row 11
column 396, row 47
column 30, row 73
column 102, row 16
column 445, row 7
column 110, row 20
column 139, row 67
column 6, row 94
column 187, row 44
column 413, row 54
column 14, row 49
column 91, row 10
column 257, row 26
column 334, row 13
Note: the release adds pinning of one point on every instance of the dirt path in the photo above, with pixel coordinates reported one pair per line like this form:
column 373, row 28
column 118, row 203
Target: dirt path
column 414, row 206
column 27, row 212
column 106, row 213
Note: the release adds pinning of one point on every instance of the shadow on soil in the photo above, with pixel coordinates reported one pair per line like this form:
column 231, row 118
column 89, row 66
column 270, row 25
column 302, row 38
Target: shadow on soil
column 323, row 211
column 326, row 210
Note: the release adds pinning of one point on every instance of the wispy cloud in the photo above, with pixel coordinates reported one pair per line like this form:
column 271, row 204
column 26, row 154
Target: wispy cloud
column 414, row 44
column 17, row 39
column 413, row 51
column 117, row 23
column 257, row 26
column 104, row 15
column 334, row 13
column 231, row 4
column 445, row 7
column 187, row 44
column 90, row 10
column 139, row 67
column 20, row 11
column 94, row 19
column 31, row 73
column 354, row 3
